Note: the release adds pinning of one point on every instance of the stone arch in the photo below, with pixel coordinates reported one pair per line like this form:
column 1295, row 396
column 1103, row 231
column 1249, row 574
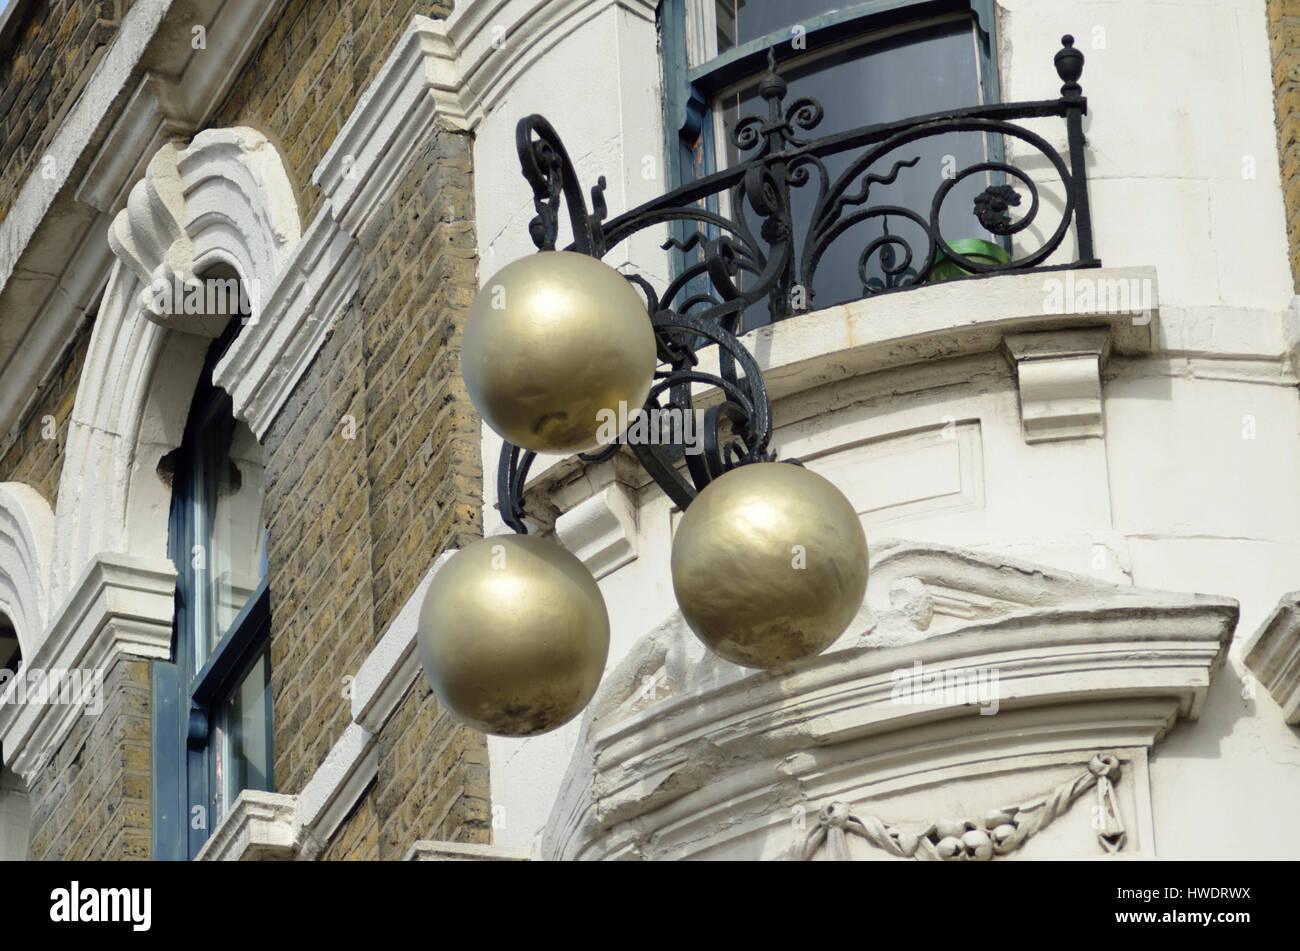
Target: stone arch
column 223, row 199
column 26, row 534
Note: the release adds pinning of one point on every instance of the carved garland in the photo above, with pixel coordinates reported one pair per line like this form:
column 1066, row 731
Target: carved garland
column 1002, row 831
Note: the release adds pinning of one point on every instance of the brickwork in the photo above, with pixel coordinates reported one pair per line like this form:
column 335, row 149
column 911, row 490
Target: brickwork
column 36, row 454
column 306, row 77
column 1284, row 39
column 373, row 469
column 94, row 800
column 57, row 45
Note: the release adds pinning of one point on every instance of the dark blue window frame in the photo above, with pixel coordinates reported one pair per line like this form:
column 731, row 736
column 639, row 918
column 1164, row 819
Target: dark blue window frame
column 186, row 703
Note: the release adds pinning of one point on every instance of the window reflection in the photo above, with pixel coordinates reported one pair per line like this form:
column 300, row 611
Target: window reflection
column 741, row 21
column 242, row 740
column 923, row 71
column 227, row 496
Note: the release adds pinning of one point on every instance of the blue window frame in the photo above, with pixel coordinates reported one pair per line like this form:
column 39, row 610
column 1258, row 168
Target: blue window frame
column 867, row 63
column 212, row 702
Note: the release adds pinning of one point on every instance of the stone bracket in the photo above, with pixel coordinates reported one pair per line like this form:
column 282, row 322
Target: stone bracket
column 1273, row 654
column 1059, row 374
column 601, row 531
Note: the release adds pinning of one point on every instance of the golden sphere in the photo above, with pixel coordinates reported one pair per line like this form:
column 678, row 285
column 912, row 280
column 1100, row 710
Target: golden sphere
column 513, row 635
column 769, row 564
column 551, row 342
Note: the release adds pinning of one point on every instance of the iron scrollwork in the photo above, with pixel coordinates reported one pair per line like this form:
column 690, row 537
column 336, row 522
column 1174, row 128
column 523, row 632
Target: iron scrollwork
column 737, row 265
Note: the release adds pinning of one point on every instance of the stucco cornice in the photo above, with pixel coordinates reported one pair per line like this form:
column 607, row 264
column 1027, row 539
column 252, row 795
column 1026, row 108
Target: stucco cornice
column 715, row 752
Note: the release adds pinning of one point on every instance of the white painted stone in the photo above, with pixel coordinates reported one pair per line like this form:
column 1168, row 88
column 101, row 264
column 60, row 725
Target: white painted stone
column 1060, row 382
column 338, row 783
column 1274, row 655
column 418, row 85
column 26, row 537
column 714, row 768
column 429, row 851
column 601, row 531
column 258, row 827
column 120, row 606
column 224, row 198
column 53, row 260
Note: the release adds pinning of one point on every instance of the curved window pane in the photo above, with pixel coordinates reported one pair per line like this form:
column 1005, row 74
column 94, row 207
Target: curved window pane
column 923, row 71
column 740, row 21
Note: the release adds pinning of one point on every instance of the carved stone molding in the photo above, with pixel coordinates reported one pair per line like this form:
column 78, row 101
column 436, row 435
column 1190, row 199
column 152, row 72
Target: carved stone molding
column 269, row 357
column 927, row 325
column 26, row 539
column 418, row 85
column 1060, row 382
column 496, row 43
column 1274, row 656
column 259, row 827
column 227, row 185
column 1000, row 832
column 712, row 761
column 121, row 606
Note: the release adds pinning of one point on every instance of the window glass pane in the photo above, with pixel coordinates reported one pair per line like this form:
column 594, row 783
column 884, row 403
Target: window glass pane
column 10, row 657
column 228, row 496
column 740, row 21
column 923, row 71
column 242, row 741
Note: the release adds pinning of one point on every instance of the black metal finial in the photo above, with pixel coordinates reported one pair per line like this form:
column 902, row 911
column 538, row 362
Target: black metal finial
column 1069, row 66
column 772, row 86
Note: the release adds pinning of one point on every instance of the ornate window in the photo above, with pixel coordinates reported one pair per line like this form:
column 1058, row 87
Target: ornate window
column 214, row 729
column 865, row 64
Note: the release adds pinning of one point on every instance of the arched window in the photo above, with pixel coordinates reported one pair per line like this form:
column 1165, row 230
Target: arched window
column 213, row 716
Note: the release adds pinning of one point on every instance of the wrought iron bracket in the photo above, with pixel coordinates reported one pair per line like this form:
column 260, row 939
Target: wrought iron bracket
column 742, row 265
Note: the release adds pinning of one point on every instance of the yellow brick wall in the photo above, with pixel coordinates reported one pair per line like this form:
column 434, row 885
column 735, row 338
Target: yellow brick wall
column 305, row 78
column 372, row 470
column 57, row 45
column 94, row 800
column 35, row 456
column 1284, row 39
column 356, row 522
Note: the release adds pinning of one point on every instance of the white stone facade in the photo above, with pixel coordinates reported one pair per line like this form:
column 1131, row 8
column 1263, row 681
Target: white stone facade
column 1157, row 451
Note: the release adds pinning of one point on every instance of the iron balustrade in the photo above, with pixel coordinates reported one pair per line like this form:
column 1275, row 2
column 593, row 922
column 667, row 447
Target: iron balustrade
column 741, row 266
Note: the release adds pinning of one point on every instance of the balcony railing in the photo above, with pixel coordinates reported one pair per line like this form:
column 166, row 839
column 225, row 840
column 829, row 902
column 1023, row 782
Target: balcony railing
column 756, row 253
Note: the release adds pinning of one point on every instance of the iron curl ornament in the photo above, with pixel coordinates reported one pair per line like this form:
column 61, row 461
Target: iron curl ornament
column 756, row 253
